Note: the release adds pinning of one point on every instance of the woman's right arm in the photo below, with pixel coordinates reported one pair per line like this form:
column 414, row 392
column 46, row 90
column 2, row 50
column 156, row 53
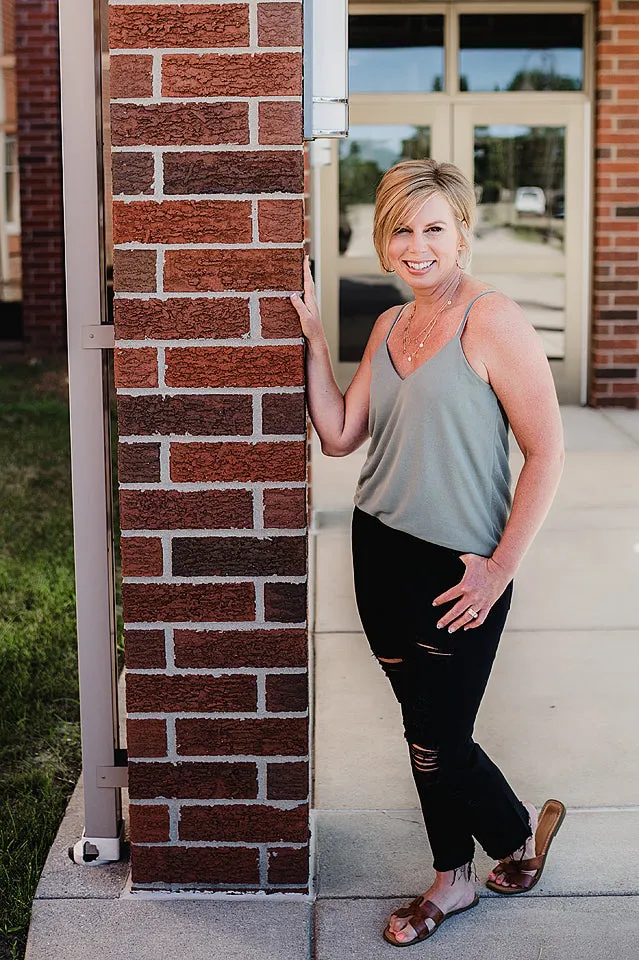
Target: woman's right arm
column 341, row 421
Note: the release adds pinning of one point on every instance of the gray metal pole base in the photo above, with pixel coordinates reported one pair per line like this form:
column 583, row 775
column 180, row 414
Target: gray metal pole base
column 95, row 851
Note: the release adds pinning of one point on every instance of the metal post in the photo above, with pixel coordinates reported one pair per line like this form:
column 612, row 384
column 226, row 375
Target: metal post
column 88, row 336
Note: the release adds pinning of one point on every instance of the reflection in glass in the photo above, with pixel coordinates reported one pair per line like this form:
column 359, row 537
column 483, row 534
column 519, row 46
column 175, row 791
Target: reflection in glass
column 361, row 300
column 519, row 182
column 364, row 157
column 521, row 52
column 396, row 54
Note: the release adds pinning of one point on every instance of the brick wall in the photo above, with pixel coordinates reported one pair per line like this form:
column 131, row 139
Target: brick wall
column 616, row 286
column 208, row 180
column 39, row 146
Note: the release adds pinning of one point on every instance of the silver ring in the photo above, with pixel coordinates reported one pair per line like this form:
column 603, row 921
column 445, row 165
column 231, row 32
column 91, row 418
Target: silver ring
column 473, row 613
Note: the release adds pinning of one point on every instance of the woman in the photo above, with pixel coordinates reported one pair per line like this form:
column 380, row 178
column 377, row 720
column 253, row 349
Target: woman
column 436, row 538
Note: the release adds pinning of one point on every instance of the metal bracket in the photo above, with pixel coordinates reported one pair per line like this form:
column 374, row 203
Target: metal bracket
column 99, row 336
column 116, row 776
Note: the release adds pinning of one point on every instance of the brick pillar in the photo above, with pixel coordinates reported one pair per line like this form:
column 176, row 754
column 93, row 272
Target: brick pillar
column 616, row 285
column 208, row 231
column 40, row 153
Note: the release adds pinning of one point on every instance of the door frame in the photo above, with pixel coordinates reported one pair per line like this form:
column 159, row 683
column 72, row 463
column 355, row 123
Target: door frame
column 451, row 116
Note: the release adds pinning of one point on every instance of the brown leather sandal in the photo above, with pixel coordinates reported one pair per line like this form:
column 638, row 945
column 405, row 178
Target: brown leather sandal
column 417, row 913
column 550, row 819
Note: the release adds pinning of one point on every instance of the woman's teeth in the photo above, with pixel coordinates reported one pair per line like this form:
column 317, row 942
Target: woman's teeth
column 419, row 265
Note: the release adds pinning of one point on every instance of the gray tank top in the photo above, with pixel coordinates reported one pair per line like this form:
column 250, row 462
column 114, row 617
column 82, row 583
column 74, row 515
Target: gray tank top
column 437, row 464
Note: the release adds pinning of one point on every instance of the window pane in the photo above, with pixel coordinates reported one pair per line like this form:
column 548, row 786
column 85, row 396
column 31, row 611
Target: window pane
column 520, row 183
column 361, row 300
column 396, row 54
column 364, row 156
column 521, row 52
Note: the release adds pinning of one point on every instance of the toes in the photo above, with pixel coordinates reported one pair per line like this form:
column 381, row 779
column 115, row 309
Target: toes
column 405, row 934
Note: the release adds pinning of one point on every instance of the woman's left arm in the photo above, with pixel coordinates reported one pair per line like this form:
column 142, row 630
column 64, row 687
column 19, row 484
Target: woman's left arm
column 520, row 375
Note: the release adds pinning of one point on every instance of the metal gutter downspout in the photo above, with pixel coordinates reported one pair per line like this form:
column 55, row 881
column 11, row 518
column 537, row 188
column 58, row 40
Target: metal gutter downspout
column 88, row 336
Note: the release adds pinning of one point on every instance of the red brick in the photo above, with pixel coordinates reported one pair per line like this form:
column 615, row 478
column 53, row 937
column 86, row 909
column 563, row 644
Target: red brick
column 149, row 823
column 279, row 318
column 235, row 366
column 198, row 416
column 149, row 602
column 181, row 318
column 279, row 24
column 285, row 602
column 277, row 737
column 287, row 781
column 201, row 865
column 193, row 781
column 173, row 124
column 138, row 462
column 280, row 123
column 151, row 693
column 130, row 76
column 239, row 556
column 283, row 414
column 240, row 648
column 132, row 173
column 182, row 510
column 194, row 271
column 141, row 556
column 183, row 25
column 281, row 221
column 265, row 171
column 136, row 368
column 254, row 823
column 232, row 75
column 240, row 462
column 182, row 221
column 288, row 865
column 134, row 271
column 146, row 738
column 286, row 692
column 285, row 508
column 144, row 648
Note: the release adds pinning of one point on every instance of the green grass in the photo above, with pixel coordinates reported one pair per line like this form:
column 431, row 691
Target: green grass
column 39, row 715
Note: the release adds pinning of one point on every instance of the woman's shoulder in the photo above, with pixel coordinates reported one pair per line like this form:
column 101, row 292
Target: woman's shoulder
column 493, row 311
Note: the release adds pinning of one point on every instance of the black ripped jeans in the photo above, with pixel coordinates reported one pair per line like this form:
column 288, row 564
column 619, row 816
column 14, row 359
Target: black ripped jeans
column 439, row 683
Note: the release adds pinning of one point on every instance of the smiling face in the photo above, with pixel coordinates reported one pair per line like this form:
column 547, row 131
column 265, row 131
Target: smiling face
column 424, row 250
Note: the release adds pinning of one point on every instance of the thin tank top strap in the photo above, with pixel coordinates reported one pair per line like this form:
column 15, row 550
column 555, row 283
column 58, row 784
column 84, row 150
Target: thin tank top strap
column 465, row 317
column 399, row 313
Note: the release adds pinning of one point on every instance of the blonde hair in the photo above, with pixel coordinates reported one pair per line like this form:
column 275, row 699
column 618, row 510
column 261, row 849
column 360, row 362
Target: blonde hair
column 404, row 188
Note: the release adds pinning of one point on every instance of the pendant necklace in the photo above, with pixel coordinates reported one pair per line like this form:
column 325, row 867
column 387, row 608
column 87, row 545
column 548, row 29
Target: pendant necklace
column 428, row 329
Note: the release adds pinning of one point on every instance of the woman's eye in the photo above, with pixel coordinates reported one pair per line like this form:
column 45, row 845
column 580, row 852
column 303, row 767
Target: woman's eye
column 435, row 229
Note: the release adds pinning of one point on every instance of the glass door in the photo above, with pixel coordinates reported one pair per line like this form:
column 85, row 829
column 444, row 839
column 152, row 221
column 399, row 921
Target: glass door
column 527, row 163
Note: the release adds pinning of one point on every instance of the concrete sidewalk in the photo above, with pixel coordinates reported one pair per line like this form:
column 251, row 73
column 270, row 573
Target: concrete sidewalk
column 560, row 717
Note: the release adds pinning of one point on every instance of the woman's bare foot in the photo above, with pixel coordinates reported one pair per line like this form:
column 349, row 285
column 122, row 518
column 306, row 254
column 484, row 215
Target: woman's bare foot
column 524, row 853
column 444, row 893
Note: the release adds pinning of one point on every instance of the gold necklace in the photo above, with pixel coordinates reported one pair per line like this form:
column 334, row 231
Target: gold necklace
column 427, row 330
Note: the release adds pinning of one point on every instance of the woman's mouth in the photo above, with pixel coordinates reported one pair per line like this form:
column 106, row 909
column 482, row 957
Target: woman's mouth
column 419, row 266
